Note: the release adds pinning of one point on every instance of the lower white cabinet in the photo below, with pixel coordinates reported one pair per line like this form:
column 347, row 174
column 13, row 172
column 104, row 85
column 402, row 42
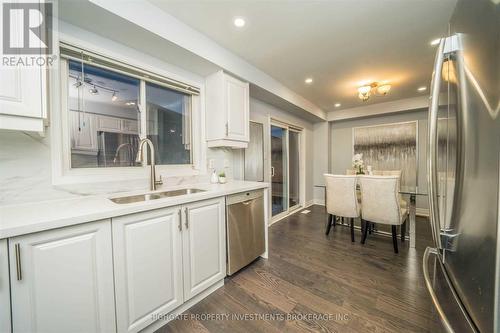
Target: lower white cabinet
column 148, row 266
column 62, row 280
column 164, row 257
column 4, row 287
column 204, row 245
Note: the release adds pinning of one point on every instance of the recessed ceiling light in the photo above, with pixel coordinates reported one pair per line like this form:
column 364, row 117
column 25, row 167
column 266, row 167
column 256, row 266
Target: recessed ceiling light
column 309, row 80
column 239, row 22
column 435, row 41
column 337, row 105
column 422, row 89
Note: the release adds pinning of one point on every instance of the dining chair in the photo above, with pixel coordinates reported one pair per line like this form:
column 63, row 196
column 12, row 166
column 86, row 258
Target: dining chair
column 381, row 204
column 341, row 199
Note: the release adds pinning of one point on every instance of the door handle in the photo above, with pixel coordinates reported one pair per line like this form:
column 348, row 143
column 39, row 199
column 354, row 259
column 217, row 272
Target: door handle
column 432, row 179
column 180, row 220
column 425, row 269
column 187, row 217
column 19, row 271
column 272, row 171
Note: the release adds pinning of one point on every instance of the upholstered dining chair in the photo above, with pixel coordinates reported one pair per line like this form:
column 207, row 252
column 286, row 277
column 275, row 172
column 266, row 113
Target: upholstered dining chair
column 381, row 204
column 341, row 199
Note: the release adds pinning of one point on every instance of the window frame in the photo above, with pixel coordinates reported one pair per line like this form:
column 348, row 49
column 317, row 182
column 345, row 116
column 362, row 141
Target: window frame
column 61, row 143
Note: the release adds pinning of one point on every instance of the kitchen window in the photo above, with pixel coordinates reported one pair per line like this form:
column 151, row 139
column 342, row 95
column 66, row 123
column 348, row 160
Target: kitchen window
column 112, row 105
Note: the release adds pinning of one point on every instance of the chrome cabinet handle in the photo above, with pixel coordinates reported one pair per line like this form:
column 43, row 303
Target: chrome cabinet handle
column 427, row 279
column 180, row 220
column 432, row 178
column 272, row 171
column 17, row 249
column 187, row 218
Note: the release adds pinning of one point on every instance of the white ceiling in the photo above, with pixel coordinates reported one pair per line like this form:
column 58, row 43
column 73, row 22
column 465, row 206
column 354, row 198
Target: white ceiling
column 338, row 43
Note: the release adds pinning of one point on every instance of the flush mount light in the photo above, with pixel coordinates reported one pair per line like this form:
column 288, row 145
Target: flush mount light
column 383, row 89
column 435, row 41
column 422, row 89
column 337, row 105
column 309, row 80
column 365, row 91
column 239, row 22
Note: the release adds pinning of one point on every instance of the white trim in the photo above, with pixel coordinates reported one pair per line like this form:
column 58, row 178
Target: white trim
column 60, row 138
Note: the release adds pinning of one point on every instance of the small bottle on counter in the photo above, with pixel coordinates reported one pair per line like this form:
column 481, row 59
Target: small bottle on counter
column 214, row 179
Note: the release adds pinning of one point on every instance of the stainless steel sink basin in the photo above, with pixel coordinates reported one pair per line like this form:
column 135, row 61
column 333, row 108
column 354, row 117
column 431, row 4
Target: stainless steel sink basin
column 154, row 196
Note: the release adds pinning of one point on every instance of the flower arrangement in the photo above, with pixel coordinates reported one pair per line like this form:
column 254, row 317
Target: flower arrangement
column 358, row 164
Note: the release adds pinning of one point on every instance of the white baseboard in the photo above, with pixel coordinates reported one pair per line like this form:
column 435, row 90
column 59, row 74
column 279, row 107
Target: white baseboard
column 422, row 212
column 320, row 202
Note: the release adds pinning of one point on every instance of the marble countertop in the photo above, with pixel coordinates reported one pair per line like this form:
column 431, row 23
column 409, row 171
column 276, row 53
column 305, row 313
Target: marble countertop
column 19, row 219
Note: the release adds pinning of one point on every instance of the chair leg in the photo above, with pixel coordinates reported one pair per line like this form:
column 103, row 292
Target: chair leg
column 328, row 224
column 365, row 231
column 403, row 231
column 334, row 219
column 394, row 238
column 352, row 229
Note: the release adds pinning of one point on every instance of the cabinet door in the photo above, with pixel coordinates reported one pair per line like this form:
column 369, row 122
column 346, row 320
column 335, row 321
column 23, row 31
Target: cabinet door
column 62, row 280
column 148, row 266
column 237, row 104
column 204, row 245
column 84, row 132
column 109, row 124
column 4, row 288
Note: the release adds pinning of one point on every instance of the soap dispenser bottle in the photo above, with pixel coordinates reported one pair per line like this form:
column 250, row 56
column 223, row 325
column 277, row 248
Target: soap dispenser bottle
column 214, row 179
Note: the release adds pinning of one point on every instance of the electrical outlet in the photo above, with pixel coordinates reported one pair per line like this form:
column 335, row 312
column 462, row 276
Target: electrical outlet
column 211, row 163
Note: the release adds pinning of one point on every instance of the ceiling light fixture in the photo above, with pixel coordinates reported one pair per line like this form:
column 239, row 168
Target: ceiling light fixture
column 308, row 80
column 337, row 105
column 365, row 91
column 435, row 41
column 239, row 22
column 93, row 91
column 422, row 89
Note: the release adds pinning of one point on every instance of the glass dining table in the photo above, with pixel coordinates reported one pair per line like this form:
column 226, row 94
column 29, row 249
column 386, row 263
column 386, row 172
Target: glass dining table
column 407, row 191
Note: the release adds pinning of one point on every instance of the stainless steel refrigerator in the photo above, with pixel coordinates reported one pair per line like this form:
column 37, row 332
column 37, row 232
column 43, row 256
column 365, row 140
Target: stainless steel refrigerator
column 462, row 270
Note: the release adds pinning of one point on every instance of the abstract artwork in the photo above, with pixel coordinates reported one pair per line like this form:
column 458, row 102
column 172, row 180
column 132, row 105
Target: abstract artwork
column 389, row 147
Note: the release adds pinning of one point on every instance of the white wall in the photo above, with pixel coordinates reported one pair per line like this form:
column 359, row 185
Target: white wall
column 262, row 112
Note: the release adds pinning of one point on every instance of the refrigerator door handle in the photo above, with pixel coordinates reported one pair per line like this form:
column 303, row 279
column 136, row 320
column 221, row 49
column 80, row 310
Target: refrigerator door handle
column 432, row 179
column 425, row 269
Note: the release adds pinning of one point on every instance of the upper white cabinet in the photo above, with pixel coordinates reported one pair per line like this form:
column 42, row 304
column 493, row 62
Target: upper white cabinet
column 62, row 280
column 204, row 245
column 4, row 288
column 23, row 98
column 227, row 111
column 84, row 133
column 148, row 266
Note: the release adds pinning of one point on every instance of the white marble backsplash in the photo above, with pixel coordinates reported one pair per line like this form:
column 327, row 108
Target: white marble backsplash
column 25, row 172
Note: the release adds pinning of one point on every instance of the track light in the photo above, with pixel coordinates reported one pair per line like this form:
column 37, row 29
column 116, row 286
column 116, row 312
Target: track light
column 114, row 97
column 93, row 91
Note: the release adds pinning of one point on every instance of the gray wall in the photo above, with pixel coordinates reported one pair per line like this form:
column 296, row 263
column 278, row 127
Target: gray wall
column 341, row 143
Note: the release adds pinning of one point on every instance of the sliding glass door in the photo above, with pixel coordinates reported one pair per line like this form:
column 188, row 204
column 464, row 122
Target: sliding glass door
column 279, row 170
column 293, row 169
column 285, row 169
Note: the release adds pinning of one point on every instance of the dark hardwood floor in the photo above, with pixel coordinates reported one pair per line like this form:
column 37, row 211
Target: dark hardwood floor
column 321, row 283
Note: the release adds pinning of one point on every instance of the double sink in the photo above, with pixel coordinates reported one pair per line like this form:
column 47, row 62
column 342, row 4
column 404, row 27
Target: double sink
column 154, row 196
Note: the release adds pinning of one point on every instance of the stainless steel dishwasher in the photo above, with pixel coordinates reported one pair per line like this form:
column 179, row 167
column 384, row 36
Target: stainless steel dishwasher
column 245, row 229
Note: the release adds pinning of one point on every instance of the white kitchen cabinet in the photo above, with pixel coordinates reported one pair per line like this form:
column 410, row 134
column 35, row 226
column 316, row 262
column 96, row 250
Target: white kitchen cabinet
column 148, row 266
column 84, row 133
column 23, row 98
column 204, row 245
column 109, row 124
column 62, row 280
column 4, row 288
column 227, row 111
